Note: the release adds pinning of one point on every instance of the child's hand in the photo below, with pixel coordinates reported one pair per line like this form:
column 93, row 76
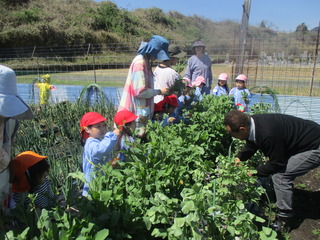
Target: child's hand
column 171, row 119
column 114, row 162
column 245, row 97
column 165, row 91
column 116, row 130
column 237, row 162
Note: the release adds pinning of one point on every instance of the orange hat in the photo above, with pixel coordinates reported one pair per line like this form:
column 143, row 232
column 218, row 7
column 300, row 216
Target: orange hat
column 88, row 119
column 21, row 164
column 172, row 100
column 123, row 117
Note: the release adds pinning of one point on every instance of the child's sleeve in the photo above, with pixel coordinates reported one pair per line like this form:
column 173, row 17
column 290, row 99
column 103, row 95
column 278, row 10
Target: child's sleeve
column 99, row 149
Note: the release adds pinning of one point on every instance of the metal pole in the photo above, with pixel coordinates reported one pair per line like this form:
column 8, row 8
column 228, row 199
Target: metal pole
column 243, row 36
column 315, row 62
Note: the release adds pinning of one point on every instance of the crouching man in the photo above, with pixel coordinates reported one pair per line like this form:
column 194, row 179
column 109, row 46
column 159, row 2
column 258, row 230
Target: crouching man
column 292, row 145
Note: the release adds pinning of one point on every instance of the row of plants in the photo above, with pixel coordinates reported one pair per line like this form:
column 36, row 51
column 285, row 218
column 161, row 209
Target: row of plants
column 180, row 183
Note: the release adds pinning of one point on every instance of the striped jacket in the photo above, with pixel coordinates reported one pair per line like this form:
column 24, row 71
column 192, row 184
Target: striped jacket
column 138, row 93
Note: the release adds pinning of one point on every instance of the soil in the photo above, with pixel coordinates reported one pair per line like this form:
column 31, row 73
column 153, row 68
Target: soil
column 307, row 207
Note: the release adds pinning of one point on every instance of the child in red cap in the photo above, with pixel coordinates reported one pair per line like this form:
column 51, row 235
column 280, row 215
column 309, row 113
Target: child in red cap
column 158, row 112
column 98, row 144
column 170, row 103
column 126, row 122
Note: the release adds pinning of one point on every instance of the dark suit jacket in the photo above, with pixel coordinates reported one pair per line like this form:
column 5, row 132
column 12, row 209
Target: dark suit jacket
column 279, row 137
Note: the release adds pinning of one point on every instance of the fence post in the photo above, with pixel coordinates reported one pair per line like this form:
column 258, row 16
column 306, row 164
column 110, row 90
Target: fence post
column 88, row 50
column 34, row 50
column 243, row 35
column 94, row 69
column 315, row 61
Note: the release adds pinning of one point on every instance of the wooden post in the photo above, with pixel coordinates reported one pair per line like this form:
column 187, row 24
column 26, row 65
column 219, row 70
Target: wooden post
column 34, row 50
column 243, row 36
column 94, row 69
column 88, row 49
column 315, row 61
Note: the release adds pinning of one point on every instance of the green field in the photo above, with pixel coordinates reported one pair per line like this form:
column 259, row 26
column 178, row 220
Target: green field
column 286, row 80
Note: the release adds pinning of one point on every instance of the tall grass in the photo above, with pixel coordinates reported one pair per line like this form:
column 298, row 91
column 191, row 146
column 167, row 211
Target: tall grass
column 54, row 132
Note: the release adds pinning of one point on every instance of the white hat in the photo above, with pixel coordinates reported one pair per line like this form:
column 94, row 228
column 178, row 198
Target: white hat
column 11, row 104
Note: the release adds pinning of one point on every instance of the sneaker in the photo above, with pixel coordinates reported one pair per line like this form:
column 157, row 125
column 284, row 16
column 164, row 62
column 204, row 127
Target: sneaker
column 283, row 224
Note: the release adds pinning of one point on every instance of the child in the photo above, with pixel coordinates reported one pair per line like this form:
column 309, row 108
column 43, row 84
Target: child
column 98, row 144
column 126, row 122
column 240, row 93
column 30, row 171
column 12, row 109
column 200, row 82
column 44, row 88
column 164, row 75
column 170, row 103
column 158, row 112
column 222, row 87
column 185, row 100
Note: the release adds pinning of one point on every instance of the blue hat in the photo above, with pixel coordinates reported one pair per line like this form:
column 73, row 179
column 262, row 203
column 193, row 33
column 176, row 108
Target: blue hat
column 157, row 47
column 11, row 104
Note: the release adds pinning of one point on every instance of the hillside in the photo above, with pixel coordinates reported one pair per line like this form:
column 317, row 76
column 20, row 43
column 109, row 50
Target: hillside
column 76, row 22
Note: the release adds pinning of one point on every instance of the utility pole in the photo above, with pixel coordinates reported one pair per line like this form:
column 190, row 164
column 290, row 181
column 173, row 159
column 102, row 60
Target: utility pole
column 243, row 36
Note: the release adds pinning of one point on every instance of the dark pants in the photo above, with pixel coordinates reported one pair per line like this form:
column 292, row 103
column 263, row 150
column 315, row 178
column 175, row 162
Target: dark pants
column 298, row 165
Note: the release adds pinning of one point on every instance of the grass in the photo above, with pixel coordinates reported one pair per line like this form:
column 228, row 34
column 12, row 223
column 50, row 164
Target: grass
column 284, row 80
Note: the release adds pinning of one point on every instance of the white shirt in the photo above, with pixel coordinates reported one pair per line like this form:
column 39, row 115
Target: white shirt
column 164, row 77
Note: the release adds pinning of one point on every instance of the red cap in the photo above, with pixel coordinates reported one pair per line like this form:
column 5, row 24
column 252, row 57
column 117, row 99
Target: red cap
column 88, row 119
column 124, row 116
column 172, row 100
column 158, row 107
column 21, row 164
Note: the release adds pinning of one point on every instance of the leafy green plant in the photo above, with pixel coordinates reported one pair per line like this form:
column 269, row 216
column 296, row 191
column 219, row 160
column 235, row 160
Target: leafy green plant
column 179, row 183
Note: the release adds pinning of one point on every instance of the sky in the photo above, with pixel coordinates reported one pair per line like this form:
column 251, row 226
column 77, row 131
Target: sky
column 279, row 15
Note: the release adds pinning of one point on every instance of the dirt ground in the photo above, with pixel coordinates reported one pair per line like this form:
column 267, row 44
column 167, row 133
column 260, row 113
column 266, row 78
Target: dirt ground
column 307, row 206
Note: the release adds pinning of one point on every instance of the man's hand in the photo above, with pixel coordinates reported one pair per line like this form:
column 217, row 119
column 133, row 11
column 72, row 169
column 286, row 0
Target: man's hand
column 237, row 162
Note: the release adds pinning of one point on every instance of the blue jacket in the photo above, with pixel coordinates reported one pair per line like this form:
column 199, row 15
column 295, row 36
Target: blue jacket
column 220, row 90
column 96, row 152
column 238, row 96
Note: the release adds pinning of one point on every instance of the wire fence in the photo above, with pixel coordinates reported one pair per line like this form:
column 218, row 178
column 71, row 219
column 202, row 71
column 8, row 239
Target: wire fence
column 289, row 66
column 284, row 64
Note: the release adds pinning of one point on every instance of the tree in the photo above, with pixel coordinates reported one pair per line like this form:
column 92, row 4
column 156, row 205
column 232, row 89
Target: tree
column 262, row 24
column 302, row 28
column 301, row 31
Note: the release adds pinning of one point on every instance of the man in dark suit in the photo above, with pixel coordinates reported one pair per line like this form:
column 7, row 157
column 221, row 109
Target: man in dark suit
column 292, row 145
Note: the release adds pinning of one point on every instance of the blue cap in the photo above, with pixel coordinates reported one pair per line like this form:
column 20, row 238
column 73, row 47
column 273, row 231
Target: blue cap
column 157, row 47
